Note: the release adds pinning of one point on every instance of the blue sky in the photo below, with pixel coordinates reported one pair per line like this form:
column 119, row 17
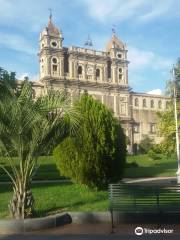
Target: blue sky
column 149, row 28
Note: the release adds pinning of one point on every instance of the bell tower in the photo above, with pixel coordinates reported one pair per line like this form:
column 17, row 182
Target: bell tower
column 118, row 54
column 51, row 57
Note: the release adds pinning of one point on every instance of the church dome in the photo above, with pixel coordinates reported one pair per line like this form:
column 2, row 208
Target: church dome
column 52, row 30
column 115, row 42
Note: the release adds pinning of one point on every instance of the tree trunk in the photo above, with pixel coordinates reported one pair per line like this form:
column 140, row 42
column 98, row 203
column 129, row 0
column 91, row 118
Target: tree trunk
column 22, row 204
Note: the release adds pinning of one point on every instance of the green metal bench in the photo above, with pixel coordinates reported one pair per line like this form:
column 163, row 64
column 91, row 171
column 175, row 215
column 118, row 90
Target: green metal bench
column 136, row 199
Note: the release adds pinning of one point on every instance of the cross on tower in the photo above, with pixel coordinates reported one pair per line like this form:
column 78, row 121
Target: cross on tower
column 114, row 29
column 88, row 41
column 50, row 13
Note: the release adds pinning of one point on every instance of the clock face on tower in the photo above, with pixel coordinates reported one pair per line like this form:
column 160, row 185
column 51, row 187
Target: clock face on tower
column 89, row 71
column 54, row 44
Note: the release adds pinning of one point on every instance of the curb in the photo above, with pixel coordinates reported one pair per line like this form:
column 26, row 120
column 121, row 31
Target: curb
column 38, row 224
column 34, row 224
column 90, row 217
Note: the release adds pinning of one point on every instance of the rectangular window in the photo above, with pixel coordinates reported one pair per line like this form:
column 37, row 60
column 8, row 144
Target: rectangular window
column 152, row 128
column 54, row 68
column 66, row 62
column 120, row 76
column 136, row 127
column 109, row 69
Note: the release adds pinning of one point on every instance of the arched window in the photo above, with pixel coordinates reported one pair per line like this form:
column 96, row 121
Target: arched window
column 79, row 70
column 54, row 65
column 97, row 73
column 152, row 103
column 120, row 75
column 120, row 70
column 136, row 102
column 144, row 103
column 159, row 104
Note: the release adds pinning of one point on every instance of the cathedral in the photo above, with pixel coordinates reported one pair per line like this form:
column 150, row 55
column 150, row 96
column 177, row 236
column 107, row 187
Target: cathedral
column 104, row 75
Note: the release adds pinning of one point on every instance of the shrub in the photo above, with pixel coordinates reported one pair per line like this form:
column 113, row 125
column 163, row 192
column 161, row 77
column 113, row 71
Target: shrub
column 146, row 144
column 132, row 165
column 96, row 155
column 153, row 155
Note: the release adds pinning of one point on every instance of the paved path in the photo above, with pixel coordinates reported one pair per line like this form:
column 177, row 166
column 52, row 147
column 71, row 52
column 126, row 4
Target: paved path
column 86, row 237
column 96, row 231
column 152, row 181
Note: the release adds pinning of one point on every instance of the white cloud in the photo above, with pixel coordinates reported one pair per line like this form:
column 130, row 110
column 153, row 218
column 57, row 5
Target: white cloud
column 140, row 59
column 34, row 78
column 138, row 10
column 16, row 42
column 23, row 15
column 21, row 76
column 155, row 92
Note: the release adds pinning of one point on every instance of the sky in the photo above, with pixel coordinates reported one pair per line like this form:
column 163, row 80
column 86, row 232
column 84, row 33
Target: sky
column 149, row 28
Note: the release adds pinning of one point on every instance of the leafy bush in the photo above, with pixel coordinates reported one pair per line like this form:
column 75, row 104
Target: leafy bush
column 157, row 148
column 153, row 155
column 146, row 144
column 96, row 155
column 132, row 165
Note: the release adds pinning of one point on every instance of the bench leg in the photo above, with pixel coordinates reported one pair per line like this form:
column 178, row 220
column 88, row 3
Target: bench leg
column 112, row 222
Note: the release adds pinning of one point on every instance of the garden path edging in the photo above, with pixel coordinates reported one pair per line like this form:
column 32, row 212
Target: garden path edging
column 34, row 224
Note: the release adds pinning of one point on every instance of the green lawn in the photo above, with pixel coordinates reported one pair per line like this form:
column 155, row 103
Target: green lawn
column 47, row 169
column 57, row 197
column 146, row 168
column 151, row 168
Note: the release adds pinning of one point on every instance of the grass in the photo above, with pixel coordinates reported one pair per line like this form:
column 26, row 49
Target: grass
column 163, row 167
column 146, row 168
column 47, row 169
column 58, row 197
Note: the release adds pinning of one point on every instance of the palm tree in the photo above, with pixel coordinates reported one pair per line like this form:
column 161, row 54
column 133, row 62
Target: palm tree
column 28, row 128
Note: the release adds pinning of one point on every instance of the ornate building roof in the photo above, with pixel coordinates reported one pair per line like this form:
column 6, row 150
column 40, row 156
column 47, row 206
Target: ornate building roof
column 51, row 29
column 115, row 42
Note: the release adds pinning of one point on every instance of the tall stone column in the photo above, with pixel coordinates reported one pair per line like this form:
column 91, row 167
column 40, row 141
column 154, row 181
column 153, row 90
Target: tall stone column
column 103, row 99
column 131, row 138
column 101, row 74
column 71, row 68
column 48, row 67
column 114, row 74
column 105, row 74
column 84, row 71
column 75, row 69
column 115, row 105
column 94, row 73
column 61, row 67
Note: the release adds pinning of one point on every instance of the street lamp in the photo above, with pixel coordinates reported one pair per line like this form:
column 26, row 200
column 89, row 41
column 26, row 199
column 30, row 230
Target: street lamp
column 176, row 122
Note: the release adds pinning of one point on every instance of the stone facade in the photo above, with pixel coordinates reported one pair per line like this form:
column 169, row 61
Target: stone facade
column 104, row 75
